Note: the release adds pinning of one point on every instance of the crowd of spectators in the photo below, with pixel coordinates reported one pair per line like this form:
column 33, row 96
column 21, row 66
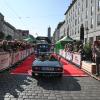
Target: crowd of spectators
column 78, row 48
column 86, row 50
column 74, row 47
column 13, row 45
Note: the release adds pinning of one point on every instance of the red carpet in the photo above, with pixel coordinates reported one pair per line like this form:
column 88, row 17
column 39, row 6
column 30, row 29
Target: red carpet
column 24, row 67
column 69, row 69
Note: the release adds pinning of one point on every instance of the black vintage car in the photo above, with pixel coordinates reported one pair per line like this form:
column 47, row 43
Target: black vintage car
column 42, row 48
column 47, row 65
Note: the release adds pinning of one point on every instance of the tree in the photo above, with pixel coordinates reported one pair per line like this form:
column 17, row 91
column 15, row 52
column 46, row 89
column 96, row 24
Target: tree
column 8, row 37
column 82, row 33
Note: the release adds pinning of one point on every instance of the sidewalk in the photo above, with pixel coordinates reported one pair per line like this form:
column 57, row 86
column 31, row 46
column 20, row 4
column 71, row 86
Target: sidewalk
column 92, row 75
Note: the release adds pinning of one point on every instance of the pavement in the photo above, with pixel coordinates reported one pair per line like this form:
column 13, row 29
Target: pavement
column 93, row 75
column 24, row 87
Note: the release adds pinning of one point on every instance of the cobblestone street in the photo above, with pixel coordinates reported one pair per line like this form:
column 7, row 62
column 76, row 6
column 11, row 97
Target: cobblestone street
column 22, row 87
column 50, row 50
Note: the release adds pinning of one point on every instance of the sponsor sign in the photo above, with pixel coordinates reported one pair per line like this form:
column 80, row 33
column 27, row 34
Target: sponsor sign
column 4, row 61
column 76, row 59
column 69, row 56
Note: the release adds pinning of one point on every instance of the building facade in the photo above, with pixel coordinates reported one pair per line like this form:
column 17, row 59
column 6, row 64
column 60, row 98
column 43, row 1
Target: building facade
column 8, row 29
column 21, row 34
column 56, row 35
column 60, row 31
column 1, row 22
column 86, row 13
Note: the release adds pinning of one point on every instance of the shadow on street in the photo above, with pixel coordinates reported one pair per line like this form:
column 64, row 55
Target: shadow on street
column 64, row 83
column 11, row 85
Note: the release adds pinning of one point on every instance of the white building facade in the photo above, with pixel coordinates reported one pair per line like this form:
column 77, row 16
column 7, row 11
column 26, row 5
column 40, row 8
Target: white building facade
column 56, row 35
column 62, row 30
column 86, row 12
column 59, row 32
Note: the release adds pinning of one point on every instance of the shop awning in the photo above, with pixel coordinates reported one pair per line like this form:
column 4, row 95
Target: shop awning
column 30, row 39
column 66, row 39
column 61, row 43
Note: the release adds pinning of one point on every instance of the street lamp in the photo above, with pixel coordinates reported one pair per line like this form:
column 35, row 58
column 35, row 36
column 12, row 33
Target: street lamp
column 87, row 30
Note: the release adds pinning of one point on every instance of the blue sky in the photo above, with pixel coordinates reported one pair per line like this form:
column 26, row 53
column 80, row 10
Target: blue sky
column 34, row 15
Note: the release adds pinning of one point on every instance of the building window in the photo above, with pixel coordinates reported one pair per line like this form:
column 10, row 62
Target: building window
column 75, row 21
column 92, row 10
column 69, row 13
column 91, row 1
column 82, row 7
column 72, row 31
column 91, row 40
column 98, row 5
column 91, row 23
column 75, row 14
column 78, row 20
column 86, row 14
column 97, row 37
column 76, row 6
column 86, row 24
column 73, row 8
column 75, row 30
column 98, row 19
column 78, row 30
column 78, row 3
column 78, row 11
column 64, row 31
column 85, row 40
column 86, row 3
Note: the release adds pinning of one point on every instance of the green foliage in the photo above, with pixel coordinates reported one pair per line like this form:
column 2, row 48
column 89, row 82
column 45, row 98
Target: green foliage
column 8, row 37
column 87, row 48
column 88, row 51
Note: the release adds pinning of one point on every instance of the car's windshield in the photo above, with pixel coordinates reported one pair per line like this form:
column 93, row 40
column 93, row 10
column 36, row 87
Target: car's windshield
column 47, row 56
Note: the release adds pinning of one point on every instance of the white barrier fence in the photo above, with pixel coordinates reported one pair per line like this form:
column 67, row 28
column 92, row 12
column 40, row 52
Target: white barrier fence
column 73, row 57
column 9, row 59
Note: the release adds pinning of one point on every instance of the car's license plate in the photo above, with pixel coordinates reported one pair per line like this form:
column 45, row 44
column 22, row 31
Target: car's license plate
column 48, row 68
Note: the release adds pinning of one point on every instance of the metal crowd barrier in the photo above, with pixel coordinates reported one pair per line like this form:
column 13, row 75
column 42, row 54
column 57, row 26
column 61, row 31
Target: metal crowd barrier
column 73, row 57
column 9, row 59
